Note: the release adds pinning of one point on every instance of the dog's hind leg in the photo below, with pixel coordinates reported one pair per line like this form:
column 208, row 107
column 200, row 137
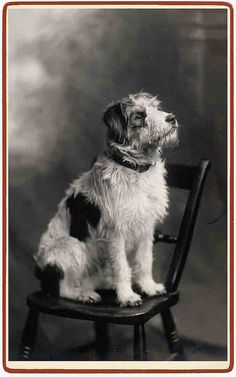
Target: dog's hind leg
column 79, row 283
column 80, row 293
column 76, row 262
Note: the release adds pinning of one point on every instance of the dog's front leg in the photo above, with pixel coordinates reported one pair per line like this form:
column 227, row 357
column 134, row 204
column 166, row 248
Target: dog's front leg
column 121, row 272
column 142, row 272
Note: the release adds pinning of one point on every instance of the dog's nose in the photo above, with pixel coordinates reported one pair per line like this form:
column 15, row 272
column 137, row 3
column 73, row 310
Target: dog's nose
column 171, row 118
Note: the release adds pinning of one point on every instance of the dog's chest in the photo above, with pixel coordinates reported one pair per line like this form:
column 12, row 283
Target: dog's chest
column 139, row 202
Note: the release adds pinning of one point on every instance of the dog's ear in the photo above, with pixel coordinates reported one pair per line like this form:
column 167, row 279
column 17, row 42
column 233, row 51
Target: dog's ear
column 116, row 122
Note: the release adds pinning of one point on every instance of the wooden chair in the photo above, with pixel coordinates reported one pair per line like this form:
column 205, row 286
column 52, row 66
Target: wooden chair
column 191, row 178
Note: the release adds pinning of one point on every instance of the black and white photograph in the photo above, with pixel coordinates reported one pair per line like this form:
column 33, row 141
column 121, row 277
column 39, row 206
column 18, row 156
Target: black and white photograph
column 118, row 139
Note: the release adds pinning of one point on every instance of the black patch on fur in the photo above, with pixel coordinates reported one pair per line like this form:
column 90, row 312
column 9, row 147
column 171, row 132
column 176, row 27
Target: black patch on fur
column 83, row 213
column 138, row 119
column 50, row 276
column 116, row 123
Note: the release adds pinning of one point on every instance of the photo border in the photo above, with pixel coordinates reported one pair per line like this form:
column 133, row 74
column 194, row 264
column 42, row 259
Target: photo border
column 231, row 181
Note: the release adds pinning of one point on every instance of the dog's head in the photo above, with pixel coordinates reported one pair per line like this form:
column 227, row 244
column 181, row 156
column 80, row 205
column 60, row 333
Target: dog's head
column 138, row 121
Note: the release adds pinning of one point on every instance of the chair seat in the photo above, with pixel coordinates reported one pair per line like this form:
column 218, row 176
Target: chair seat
column 108, row 310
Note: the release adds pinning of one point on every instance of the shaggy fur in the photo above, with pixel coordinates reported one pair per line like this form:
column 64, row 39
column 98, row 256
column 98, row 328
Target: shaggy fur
column 108, row 215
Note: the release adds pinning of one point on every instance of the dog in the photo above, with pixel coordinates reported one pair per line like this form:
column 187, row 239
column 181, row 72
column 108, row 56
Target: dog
column 101, row 236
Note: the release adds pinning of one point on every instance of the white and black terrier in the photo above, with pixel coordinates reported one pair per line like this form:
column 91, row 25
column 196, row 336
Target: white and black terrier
column 101, row 236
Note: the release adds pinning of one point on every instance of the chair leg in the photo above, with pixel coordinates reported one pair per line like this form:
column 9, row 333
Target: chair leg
column 137, row 343
column 102, row 340
column 29, row 334
column 140, row 346
column 144, row 343
column 173, row 339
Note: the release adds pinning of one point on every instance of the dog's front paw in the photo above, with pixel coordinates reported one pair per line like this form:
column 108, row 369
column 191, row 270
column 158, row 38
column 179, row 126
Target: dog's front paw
column 152, row 289
column 132, row 299
column 89, row 297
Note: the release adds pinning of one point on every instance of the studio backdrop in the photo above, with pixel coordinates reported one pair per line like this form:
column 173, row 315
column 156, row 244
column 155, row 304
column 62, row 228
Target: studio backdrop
column 64, row 67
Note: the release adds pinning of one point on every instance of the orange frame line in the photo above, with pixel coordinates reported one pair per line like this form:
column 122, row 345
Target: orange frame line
column 4, row 183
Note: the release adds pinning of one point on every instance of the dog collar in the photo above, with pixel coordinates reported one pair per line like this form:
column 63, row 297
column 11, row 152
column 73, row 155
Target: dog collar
column 119, row 159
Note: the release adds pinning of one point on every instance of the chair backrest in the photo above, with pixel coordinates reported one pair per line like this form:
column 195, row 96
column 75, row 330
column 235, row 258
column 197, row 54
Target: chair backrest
column 191, row 178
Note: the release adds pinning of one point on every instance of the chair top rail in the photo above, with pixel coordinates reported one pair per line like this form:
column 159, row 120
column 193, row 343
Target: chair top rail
column 181, row 176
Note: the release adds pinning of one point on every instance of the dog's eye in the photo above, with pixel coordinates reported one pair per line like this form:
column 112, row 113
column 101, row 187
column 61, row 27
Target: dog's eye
column 140, row 115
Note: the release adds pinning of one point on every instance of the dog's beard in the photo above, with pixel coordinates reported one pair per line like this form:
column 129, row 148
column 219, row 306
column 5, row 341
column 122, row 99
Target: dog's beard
column 170, row 139
column 149, row 148
column 145, row 147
